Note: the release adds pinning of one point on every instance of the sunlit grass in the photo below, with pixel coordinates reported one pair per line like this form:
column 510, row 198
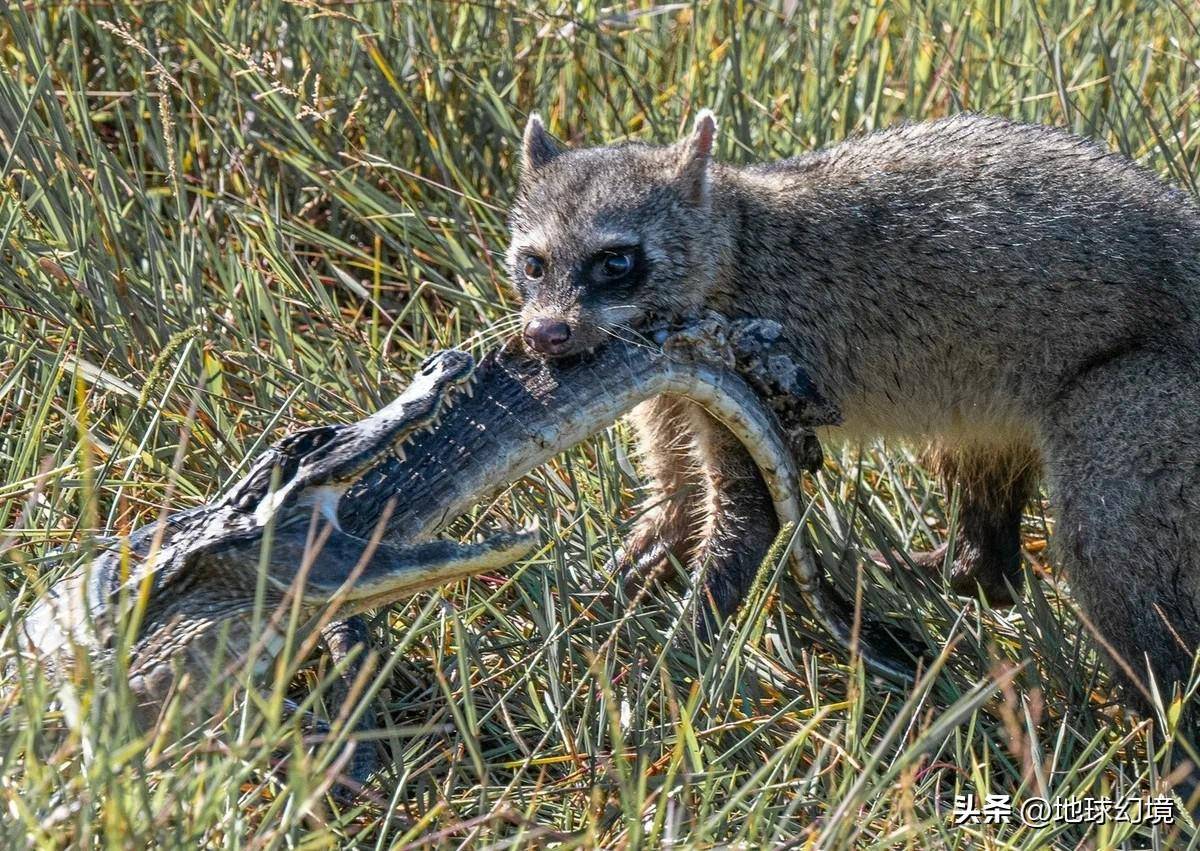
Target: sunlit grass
column 221, row 221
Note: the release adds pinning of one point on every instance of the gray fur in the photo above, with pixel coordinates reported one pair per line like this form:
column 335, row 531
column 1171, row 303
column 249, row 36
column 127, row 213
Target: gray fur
column 1003, row 292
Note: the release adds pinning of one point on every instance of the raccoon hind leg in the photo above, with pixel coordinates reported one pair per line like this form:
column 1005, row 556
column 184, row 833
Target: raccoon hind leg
column 994, row 485
column 1123, row 466
column 666, row 528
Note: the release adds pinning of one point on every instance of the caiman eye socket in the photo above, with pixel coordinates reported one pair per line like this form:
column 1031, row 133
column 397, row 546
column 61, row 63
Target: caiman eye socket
column 616, row 264
column 534, row 267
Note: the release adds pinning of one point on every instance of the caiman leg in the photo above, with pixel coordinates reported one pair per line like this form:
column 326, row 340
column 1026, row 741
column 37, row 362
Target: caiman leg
column 340, row 640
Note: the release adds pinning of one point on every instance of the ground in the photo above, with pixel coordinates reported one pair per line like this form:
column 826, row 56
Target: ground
column 220, row 221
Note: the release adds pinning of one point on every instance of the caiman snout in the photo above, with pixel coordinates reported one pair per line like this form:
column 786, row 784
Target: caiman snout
column 451, row 365
column 547, row 336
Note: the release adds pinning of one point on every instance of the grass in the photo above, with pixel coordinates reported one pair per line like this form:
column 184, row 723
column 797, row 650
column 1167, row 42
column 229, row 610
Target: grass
column 222, row 220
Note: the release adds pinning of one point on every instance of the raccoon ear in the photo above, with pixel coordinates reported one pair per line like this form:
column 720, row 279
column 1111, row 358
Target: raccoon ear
column 695, row 153
column 537, row 148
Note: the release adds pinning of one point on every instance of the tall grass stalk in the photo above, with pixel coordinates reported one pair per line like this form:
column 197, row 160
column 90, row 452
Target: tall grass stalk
column 219, row 221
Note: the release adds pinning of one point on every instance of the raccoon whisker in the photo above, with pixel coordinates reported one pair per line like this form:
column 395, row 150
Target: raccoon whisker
column 498, row 330
column 631, row 335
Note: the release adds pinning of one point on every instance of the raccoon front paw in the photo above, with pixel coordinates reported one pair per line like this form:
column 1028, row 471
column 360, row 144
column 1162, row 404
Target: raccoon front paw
column 738, row 535
column 974, row 571
column 725, row 573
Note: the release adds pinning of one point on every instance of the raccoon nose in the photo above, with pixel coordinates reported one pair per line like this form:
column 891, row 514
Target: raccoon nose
column 547, row 336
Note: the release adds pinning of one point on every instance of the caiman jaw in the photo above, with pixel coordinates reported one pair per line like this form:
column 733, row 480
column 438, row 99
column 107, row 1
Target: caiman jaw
column 427, row 420
column 417, row 409
column 432, row 392
column 397, row 572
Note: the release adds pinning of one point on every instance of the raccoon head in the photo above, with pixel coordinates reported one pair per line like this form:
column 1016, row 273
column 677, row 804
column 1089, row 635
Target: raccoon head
column 604, row 237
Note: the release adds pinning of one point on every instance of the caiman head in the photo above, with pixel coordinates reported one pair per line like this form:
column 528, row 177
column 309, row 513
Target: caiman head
column 315, row 466
column 305, row 475
column 185, row 589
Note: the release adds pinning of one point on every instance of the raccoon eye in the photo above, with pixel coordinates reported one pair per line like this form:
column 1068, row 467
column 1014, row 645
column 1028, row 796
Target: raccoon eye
column 534, row 267
column 616, row 264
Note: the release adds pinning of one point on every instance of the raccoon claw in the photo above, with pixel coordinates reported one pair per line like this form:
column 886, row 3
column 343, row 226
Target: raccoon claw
column 648, row 553
column 972, row 574
column 632, row 566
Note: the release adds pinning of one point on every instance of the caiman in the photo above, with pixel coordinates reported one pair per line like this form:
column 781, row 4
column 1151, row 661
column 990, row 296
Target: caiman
column 190, row 583
column 456, row 435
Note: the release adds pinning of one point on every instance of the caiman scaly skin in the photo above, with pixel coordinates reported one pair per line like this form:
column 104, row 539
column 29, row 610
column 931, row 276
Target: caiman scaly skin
column 524, row 410
column 198, row 570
